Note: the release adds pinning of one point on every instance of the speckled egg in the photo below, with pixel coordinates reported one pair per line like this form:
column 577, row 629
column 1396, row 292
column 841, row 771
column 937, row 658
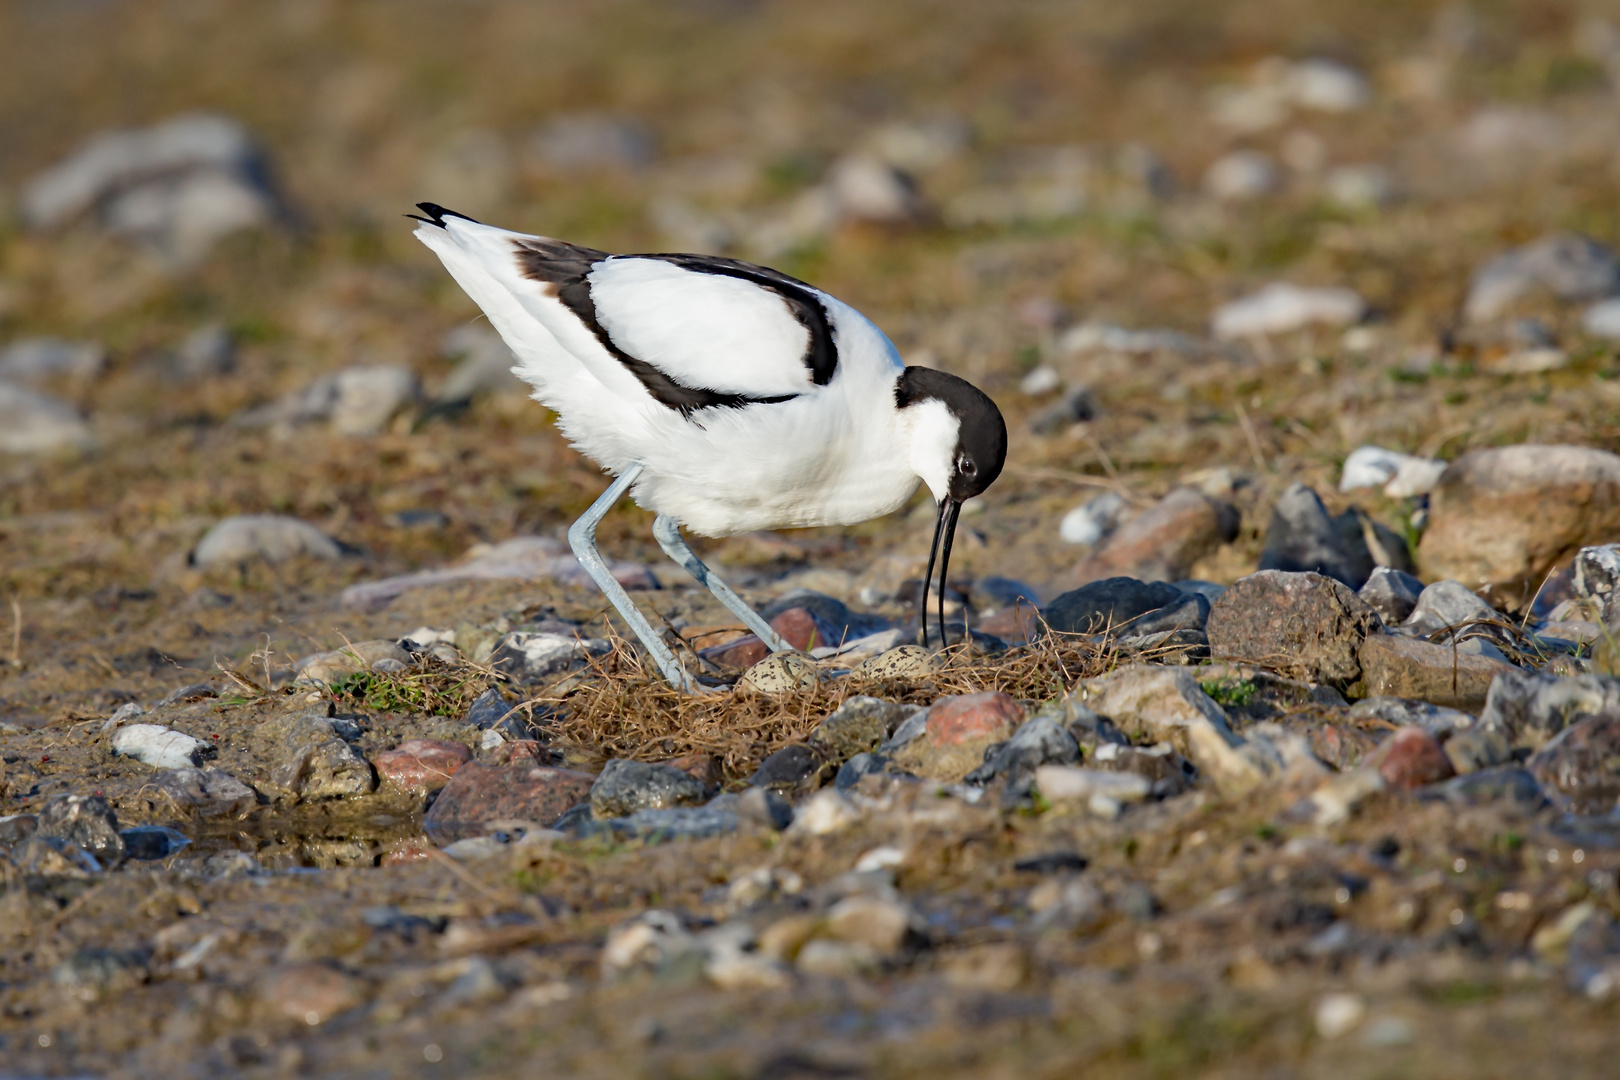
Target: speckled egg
column 781, row 673
column 900, row 662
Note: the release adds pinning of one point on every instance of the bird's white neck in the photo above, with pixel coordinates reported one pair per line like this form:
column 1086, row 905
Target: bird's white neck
column 931, row 431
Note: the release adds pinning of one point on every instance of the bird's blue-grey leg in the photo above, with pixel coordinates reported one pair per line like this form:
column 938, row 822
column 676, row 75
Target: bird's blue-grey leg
column 582, row 538
column 668, row 532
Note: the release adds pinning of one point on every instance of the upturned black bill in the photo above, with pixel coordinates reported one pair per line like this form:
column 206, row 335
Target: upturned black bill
column 944, row 527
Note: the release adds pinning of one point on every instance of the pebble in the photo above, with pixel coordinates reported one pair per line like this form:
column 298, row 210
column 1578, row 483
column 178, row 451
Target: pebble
column 1282, row 308
column 358, row 400
column 1501, row 519
column 1531, row 707
column 1437, row 720
column 528, row 658
column 1303, row 624
column 1041, row 381
column 858, row 725
column 52, row 856
column 1164, row 541
column 795, row 765
column 826, row 812
column 1327, row 86
column 1302, row 537
column 1117, row 604
column 324, row 669
column 1068, row 783
column 1399, row 475
column 1396, row 666
column 179, row 186
column 420, row 765
column 594, row 141
column 85, row 820
column 1156, row 703
column 1243, row 175
column 1411, row 758
column 206, row 792
column 249, row 538
column 1360, row 187
column 1571, row 267
column 1093, row 520
column 867, row 188
column 309, row 994
column 314, row 761
column 879, row 923
column 156, row 745
column 478, row 794
column 1339, row 1014
column 624, row 787
column 1597, row 572
column 798, row 626
column 1583, row 762
column 1075, row 406
column 1040, row 740
column 36, row 423
column 152, row 842
column 36, row 360
column 1392, row 593
column 1101, row 337
column 1602, row 319
column 781, row 673
column 1447, row 605
column 207, row 351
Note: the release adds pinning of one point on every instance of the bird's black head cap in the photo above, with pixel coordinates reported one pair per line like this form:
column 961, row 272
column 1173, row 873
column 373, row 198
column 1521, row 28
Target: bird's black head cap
column 981, row 441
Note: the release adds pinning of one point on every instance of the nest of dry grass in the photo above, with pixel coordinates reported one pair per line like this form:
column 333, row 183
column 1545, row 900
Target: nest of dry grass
column 622, row 708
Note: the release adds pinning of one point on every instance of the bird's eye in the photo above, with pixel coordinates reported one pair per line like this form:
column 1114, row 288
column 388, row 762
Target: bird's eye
column 967, row 467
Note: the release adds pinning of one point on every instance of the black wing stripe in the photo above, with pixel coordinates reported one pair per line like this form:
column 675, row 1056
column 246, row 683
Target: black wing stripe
column 565, row 267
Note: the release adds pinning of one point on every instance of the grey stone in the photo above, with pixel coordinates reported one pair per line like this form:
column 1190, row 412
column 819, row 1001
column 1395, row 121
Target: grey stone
column 1501, row 785
column 1092, row 521
column 262, row 537
column 1437, row 720
column 36, row 360
column 1571, row 267
column 1191, row 612
column 16, row 828
column 587, row 141
column 485, row 367
column 178, row 186
column 326, row 769
column 1583, row 762
column 866, row 188
column 1075, row 406
column 152, row 842
column 1392, row 593
column 1531, row 707
column 625, row 787
column 1112, row 603
column 851, row 771
column 1302, row 537
column 670, row 823
column 85, row 820
column 1597, row 571
column 995, row 591
column 52, row 856
column 860, row 724
column 206, row 352
column 1040, row 740
column 1303, row 624
column 358, row 400
column 528, row 658
column 206, row 792
column 487, row 709
column 36, row 423
column 1168, row 773
column 796, row 765
column 1478, row 748
column 1448, row 605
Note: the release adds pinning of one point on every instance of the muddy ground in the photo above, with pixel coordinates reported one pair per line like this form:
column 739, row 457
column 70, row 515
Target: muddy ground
column 1203, row 934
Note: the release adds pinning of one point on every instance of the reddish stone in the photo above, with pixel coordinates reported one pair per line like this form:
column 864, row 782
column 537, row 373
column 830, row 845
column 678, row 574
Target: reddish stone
column 517, row 750
column 797, row 626
column 480, row 793
column 1014, row 625
column 1162, row 542
column 420, row 764
column 969, row 717
column 702, row 767
column 1342, row 747
column 1410, row 758
column 404, row 852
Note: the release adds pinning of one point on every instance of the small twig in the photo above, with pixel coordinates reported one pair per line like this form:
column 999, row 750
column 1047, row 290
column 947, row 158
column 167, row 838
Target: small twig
column 16, row 632
column 1102, row 455
column 1252, row 436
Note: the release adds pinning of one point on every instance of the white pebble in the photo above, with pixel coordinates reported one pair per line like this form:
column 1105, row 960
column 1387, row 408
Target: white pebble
column 1338, row 1014
column 158, row 746
column 1090, row 522
column 1400, row 475
column 1280, row 308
